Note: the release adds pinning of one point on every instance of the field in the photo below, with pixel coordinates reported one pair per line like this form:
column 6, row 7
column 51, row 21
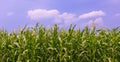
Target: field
column 39, row 44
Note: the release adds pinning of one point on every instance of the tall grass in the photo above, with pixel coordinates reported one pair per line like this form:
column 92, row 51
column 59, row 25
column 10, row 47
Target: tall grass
column 40, row 44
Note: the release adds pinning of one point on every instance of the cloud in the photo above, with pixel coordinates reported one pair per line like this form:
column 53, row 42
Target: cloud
column 55, row 15
column 68, row 17
column 96, row 22
column 65, row 18
column 42, row 13
column 92, row 14
column 10, row 13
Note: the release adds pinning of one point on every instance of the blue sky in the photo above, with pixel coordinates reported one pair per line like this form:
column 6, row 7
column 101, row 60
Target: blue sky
column 102, row 13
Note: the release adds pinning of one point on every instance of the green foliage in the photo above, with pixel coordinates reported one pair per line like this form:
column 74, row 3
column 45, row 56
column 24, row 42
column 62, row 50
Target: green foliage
column 40, row 44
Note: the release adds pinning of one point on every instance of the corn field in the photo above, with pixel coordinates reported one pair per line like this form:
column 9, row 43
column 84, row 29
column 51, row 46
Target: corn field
column 40, row 44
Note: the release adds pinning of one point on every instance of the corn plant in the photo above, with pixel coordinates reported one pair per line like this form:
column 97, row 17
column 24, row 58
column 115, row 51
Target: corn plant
column 40, row 44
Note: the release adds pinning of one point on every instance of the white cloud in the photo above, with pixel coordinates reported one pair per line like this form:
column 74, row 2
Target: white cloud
column 42, row 13
column 55, row 15
column 68, row 17
column 64, row 18
column 96, row 22
column 92, row 14
column 10, row 13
